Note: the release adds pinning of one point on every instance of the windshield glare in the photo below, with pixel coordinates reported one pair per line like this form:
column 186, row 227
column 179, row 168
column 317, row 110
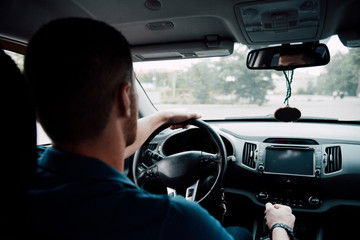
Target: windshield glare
column 220, row 88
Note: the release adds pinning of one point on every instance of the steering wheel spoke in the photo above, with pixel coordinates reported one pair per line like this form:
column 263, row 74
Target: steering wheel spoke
column 191, row 191
column 190, row 194
column 171, row 192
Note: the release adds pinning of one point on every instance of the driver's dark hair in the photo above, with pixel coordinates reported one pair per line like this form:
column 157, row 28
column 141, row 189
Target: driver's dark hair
column 74, row 67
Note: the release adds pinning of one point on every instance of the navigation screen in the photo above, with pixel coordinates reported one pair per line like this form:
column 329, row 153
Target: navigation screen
column 289, row 161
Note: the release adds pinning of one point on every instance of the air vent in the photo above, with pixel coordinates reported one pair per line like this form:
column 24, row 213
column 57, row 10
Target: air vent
column 333, row 160
column 249, row 155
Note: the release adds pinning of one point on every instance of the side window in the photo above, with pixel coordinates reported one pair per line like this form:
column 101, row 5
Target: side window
column 42, row 137
column 18, row 59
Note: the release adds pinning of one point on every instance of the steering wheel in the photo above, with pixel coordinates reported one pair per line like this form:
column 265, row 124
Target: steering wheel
column 184, row 170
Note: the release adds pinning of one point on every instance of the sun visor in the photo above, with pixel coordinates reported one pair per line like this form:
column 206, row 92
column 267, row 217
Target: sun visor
column 281, row 21
column 212, row 47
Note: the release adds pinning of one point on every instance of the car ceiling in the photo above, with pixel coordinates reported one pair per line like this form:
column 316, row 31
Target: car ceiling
column 159, row 23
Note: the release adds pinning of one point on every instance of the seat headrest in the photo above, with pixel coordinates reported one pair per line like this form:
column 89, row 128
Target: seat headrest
column 18, row 148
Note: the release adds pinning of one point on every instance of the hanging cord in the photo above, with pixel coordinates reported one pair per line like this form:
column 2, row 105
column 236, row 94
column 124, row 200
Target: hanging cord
column 288, row 83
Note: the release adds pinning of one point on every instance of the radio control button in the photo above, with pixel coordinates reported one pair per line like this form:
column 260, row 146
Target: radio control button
column 314, row 200
column 263, row 195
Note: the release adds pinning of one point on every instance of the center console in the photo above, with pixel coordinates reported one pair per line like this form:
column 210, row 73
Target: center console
column 295, row 168
column 293, row 160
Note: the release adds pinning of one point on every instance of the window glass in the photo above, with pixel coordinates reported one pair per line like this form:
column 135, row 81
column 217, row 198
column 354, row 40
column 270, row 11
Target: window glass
column 42, row 137
column 220, row 88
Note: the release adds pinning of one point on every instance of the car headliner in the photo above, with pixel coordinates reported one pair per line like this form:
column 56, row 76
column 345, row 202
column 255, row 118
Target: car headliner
column 190, row 20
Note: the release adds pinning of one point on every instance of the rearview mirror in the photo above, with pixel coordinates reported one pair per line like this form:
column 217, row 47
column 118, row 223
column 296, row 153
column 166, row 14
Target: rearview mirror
column 288, row 57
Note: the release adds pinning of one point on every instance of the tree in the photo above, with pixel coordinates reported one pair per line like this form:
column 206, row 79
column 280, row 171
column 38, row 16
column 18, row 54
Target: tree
column 247, row 84
column 211, row 79
column 355, row 57
column 224, row 76
column 201, row 78
column 342, row 74
column 156, row 77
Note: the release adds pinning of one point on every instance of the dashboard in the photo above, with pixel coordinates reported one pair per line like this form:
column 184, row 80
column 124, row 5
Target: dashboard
column 310, row 166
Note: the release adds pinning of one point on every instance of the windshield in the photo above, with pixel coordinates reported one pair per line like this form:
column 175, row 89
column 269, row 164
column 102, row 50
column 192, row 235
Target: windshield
column 221, row 88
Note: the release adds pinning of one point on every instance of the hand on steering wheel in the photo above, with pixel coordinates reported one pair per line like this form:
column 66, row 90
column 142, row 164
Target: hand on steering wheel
column 182, row 170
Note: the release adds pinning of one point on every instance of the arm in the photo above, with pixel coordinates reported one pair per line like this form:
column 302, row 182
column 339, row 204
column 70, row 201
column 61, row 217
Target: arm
column 148, row 124
column 279, row 214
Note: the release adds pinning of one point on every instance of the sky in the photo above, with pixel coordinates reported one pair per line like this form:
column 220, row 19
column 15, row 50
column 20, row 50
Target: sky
column 335, row 45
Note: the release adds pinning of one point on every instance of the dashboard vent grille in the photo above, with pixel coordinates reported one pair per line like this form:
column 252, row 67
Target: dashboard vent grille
column 333, row 160
column 249, row 155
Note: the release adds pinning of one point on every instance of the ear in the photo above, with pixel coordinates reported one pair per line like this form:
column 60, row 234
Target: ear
column 124, row 100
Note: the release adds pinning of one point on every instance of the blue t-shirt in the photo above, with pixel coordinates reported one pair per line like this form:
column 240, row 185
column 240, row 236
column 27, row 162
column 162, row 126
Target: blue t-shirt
column 77, row 197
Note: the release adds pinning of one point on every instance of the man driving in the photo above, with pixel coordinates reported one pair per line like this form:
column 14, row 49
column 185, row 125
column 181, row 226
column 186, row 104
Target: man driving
column 81, row 76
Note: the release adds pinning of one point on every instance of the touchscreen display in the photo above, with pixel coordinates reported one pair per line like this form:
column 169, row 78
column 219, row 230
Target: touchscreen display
column 290, row 161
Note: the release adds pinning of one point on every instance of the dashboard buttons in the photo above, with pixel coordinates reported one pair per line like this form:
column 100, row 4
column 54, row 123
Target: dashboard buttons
column 314, row 200
column 288, row 180
column 263, row 195
column 295, row 202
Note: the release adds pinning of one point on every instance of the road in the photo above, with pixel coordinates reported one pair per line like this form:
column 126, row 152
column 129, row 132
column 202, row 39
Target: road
column 347, row 108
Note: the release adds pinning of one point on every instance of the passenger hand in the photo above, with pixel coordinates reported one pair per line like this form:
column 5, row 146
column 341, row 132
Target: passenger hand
column 278, row 214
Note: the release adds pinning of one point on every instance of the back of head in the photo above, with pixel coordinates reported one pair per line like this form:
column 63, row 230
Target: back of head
column 74, row 67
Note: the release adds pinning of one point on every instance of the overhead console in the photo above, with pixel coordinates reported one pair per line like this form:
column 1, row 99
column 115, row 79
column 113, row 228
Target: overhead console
column 282, row 21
